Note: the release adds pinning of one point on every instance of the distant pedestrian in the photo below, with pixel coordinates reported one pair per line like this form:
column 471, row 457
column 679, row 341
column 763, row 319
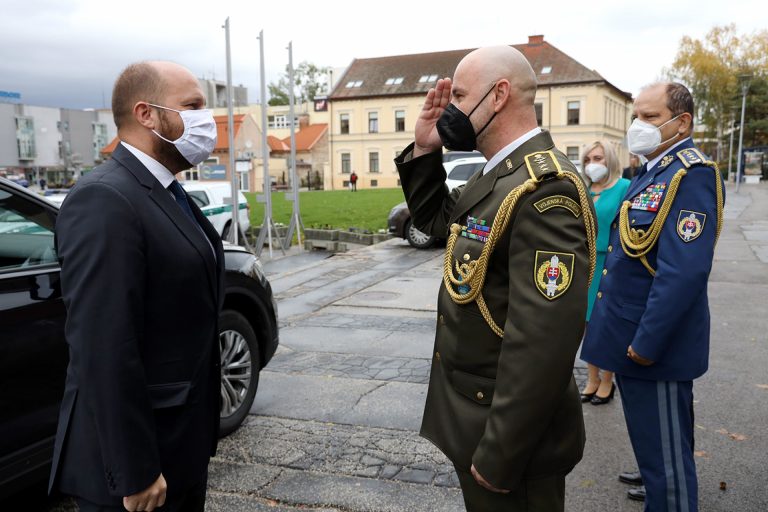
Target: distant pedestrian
column 632, row 170
column 650, row 324
column 353, row 182
column 42, row 183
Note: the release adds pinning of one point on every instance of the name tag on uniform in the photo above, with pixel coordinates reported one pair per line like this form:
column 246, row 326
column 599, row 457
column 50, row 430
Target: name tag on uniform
column 650, row 199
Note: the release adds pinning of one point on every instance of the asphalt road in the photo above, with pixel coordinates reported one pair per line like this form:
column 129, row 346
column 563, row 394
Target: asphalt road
column 334, row 425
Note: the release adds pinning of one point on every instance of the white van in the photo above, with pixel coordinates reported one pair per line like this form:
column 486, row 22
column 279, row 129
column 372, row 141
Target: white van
column 215, row 201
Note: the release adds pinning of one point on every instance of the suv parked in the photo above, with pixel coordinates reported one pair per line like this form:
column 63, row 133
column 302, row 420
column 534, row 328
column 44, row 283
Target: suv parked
column 215, row 201
column 34, row 354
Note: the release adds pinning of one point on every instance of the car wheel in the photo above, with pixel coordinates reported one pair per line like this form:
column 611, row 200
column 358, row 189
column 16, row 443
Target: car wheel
column 240, row 365
column 416, row 238
column 225, row 231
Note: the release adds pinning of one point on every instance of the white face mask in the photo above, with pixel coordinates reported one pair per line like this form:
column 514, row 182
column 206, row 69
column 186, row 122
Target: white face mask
column 596, row 172
column 199, row 138
column 643, row 138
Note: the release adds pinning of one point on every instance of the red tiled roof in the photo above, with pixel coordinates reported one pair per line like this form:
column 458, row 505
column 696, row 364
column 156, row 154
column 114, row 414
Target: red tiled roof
column 222, row 130
column 374, row 72
column 306, row 138
column 276, row 144
column 109, row 148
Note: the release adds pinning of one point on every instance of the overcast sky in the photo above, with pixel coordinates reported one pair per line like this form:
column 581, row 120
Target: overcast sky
column 67, row 53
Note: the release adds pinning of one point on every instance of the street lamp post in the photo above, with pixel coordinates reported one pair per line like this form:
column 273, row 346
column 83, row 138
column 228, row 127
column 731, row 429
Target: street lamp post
column 744, row 88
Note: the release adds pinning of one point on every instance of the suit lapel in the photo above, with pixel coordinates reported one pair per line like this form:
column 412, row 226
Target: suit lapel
column 475, row 191
column 163, row 199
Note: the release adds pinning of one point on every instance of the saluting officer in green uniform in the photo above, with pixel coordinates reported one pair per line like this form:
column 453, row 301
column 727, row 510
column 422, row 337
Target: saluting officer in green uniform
column 502, row 402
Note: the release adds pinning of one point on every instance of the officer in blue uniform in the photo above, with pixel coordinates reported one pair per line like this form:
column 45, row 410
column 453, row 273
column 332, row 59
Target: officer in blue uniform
column 650, row 324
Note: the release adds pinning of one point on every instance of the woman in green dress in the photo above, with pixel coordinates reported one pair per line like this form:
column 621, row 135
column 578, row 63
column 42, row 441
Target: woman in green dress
column 602, row 173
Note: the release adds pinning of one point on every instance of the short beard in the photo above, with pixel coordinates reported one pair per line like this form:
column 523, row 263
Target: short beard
column 167, row 153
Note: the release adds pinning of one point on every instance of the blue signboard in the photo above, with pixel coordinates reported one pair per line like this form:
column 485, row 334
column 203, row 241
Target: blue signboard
column 8, row 95
column 213, row 172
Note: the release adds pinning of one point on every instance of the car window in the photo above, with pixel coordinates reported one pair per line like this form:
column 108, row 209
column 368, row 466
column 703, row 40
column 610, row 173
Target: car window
column 26, row 233
column 465, row 171
column 199, row 197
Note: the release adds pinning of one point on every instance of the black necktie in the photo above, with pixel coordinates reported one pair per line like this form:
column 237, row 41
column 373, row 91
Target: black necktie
column 181, row 199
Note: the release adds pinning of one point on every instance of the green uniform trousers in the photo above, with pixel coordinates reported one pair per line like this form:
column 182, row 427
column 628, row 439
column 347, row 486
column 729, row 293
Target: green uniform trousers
column 541, row 495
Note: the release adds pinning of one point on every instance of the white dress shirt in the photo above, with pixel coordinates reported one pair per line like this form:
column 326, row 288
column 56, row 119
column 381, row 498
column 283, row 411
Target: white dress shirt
column 493, row 162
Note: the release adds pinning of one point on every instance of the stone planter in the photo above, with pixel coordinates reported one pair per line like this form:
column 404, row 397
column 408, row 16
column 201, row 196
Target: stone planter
column 321, row 234
column 355, row 238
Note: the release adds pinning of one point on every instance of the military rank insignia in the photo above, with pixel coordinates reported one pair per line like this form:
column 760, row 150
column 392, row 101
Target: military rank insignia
column 690, row 225
column 476, row 229
column 668, row 159
column 650, row 199
column 552, row 273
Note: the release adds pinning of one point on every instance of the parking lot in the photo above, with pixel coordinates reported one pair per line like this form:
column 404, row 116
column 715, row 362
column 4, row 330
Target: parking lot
column 335, row 421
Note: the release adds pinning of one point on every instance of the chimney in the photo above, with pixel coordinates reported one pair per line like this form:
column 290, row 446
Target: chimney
column 533, row 40
column 303, row 121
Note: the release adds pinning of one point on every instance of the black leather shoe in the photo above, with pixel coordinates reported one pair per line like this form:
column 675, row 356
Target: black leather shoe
column 637, row 494
column 599, row 400
column 631, row 477
column 586, row 397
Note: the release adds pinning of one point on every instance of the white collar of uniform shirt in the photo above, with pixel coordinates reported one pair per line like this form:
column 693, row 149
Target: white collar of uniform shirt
column 158, row 170
column 497, row 158
column 652, row 163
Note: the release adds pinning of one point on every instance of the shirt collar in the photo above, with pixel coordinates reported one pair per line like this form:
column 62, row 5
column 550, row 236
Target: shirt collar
column 158, row 170
column 498, row 157
column 652, row 163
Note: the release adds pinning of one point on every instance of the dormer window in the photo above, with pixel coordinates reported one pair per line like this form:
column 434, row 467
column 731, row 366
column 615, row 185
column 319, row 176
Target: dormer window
column 427, row 79
column 353, row 84
column 394, row 81
column 546, row 70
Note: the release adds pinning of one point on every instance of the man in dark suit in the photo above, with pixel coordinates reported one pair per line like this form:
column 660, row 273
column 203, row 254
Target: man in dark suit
column 141, row 273
column 502, row 402
column 633, row 169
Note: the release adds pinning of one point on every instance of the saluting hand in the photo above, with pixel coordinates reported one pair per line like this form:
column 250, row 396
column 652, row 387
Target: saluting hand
column 484, row 483
column 149, row 499
column 427, row 138
column 637, row 357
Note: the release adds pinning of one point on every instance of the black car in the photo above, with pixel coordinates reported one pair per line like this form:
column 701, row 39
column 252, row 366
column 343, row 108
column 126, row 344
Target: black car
column 34, row 354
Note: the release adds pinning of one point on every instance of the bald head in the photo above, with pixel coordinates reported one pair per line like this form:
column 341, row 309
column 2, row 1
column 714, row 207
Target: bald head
column 145, row 81
column 493, row 63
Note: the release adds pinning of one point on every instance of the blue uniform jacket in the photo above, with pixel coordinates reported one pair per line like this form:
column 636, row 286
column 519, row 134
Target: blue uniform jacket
column 664, row 317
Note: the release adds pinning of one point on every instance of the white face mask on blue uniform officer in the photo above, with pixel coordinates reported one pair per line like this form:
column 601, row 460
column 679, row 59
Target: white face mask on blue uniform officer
column 199, row 138
column 643, row 138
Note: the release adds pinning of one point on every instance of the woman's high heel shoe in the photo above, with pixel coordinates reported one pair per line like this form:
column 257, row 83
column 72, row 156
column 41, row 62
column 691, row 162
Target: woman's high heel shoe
column 586, row 397
column 600, row 400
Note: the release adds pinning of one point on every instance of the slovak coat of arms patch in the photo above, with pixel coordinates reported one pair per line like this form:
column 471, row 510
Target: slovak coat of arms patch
column 552, row 273
column 690, row 225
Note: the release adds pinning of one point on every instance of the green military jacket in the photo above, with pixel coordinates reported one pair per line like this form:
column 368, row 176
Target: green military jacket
column 509, row 405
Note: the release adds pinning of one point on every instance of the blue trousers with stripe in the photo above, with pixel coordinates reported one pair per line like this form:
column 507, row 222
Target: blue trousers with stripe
column 659, row 417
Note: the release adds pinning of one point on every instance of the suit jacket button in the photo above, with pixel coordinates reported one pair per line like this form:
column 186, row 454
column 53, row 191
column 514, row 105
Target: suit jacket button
column 467, row 257
column 480, row 395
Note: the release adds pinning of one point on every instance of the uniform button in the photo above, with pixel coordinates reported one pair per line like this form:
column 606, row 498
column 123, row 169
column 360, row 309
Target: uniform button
column 610, row 248
column 633, row 221
column 605, row 271
column 467, row 257
column 599, row 295
column 480, row 395
column 437, row 355
column 613, row 226
column 442, row 320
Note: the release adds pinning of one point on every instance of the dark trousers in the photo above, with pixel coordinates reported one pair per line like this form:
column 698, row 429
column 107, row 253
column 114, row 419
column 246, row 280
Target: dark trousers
column 659, row 417
column 192, row 501
column 540, row 495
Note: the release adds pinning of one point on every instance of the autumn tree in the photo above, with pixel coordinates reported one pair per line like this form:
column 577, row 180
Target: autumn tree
column 309, row 80
column 712, row 67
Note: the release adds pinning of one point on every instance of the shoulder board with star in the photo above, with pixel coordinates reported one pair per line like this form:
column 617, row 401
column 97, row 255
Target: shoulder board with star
column 542, row 164
column 692, row 156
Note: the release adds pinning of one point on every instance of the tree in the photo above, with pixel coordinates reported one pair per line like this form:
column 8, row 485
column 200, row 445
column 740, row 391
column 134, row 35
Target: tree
column 309, row 80
column 711, row 69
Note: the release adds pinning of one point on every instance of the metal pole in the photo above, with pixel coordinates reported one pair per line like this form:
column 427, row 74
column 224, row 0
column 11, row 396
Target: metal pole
column 730, row 147
column 235, row 225
column 744, row 88
column 295, row 223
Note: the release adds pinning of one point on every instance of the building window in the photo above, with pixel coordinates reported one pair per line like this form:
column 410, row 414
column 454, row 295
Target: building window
column 374, row 183
column 245, row 182
column 354, row 84
column 398, row 183
column 346, row 163
column 539, row 112
column 399, row 120
column 191, row 175
column 25, row 138
column 344, row 123
column 427, row 78
column 278, row 121
column 546, row 70
column 373, row 122
column 394, row 81
column 99, row 139
column 573, row 153
column 345, row 183
column 373, row 161
column 573, row 112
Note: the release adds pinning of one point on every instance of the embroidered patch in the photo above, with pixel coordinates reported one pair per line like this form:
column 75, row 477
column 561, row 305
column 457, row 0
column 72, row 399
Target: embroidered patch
column 666, row 161
column 558, row 202
column 691, row 156
column 552, row 273
column 650, row 199
column 476, row 229
column 541, row 163
column 690, row 225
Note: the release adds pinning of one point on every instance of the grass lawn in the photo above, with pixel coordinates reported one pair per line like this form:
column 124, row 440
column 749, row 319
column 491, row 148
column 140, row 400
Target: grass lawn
column 342, row 209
